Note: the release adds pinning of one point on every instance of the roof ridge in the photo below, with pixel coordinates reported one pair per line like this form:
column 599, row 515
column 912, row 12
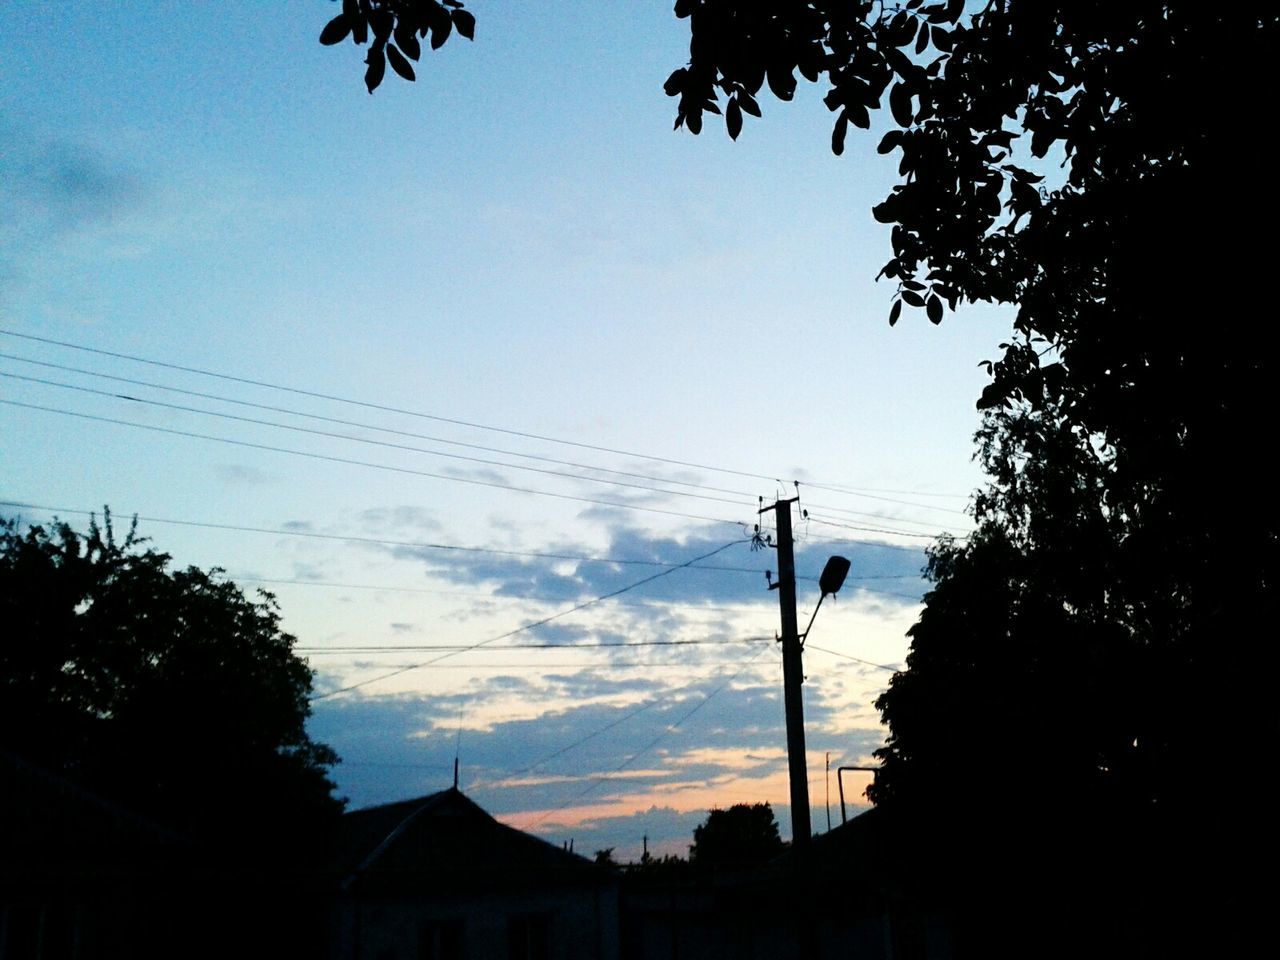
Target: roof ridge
column 427, row 803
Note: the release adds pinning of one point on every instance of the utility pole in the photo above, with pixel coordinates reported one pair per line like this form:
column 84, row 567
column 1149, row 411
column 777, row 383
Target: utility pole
column 792, row 676
column 828, row 780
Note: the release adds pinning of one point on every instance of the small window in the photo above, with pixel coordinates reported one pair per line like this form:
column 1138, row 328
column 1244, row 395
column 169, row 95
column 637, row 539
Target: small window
column 440, row 940
column 528, row 937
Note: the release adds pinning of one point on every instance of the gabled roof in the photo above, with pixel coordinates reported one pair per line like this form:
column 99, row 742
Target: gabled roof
column 446, row 839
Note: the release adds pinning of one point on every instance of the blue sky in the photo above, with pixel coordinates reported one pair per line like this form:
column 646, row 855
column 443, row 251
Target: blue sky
column 520, row 241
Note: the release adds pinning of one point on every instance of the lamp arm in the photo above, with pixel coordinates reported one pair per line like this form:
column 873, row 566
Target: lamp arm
column 805, row 635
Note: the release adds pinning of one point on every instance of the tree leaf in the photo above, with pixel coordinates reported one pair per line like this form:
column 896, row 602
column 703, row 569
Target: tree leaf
column 838, row 134
column 887, row 210
column 810, row 68
column 465, row 21
column 382, row 21
column 937, row 12
column 902, row 29
column 890, row 140
column 781, row 81
column 399, row 64
column 439, row 22
column 336, row 30
column 895, row 312
column 1041, row 140
column 748, row 103
column 900, row 104
column 913, row 299
column 733, row 118
column 407, row 39
column 377, row 67
column 934, row 309
column 440, row 31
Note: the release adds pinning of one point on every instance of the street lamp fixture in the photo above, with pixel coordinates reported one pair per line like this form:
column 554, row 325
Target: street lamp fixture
column 830, row 582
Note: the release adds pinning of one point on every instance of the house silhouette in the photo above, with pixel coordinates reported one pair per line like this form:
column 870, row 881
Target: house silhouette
column 438, row 877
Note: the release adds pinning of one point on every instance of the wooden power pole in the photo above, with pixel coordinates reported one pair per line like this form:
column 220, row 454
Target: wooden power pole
column 792, row 676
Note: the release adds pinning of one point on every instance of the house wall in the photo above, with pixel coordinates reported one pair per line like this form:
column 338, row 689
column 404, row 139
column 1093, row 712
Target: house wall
column 576, row 923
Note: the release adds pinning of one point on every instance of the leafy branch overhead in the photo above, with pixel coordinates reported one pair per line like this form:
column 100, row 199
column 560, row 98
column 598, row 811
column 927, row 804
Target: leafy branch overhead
column 983, row 100
column 397, row 28
column 950, row 81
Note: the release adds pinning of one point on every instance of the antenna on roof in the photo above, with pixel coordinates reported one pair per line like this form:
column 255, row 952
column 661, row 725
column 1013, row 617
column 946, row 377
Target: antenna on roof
column 457, row 751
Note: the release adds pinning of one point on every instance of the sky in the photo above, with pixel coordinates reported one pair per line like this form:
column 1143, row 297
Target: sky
column 469, row 373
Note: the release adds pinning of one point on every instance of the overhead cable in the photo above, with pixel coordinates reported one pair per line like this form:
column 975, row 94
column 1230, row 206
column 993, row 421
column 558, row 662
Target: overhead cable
column 329, row 458
column 529, row 626
column 362, row 425
column 434, row 417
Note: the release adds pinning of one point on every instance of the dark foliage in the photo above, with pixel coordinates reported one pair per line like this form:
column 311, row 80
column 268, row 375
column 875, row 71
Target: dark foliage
column 1086, row 701
column 394, row 30
column 168, row 692
column 744, row 835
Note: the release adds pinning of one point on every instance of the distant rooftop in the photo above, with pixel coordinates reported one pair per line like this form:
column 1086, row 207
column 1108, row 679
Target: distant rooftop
column 445, row 839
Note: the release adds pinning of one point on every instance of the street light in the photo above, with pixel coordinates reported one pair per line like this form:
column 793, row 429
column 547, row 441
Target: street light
column 830, row 582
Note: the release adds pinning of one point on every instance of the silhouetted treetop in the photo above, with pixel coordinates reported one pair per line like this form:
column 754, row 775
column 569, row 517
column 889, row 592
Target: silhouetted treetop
column 165, row 690
column 746, row 834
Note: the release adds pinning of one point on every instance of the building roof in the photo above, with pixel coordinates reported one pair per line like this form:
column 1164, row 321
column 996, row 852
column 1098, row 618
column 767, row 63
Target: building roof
column 445, row 840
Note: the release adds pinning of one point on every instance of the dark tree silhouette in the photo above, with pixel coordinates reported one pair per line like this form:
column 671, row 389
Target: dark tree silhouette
column 1086, row 701
column 166, row 691
column 744, row 835
column 1088, row 685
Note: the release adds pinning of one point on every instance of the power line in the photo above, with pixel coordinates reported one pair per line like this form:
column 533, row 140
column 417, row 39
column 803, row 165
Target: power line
column 671, row 728
column 898, row 533
column 439, row 419
column 856, row 514
column 417, row 544
column 848, row 656
column 652, row 701
column 863, row 491
column 329, row 458
column 355, row 423
column 862, row 529
column 476, row 595
column 586, row 647
column 378, row 443
column 508, row 598
column 604, row 667
column 474, row 481
column 530, row 626
column 377, row 406
column 447, row 547
column 419, row 436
